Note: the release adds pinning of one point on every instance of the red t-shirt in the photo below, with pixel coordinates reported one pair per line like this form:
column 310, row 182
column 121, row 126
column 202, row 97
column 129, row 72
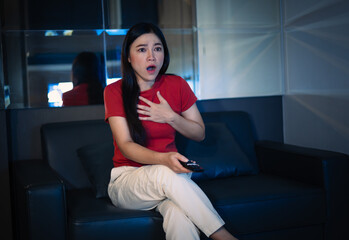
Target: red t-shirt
column 160, row 136
column 77, row 96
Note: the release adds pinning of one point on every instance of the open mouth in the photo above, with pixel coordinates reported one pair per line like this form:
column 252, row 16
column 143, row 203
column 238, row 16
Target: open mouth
column 151, row 68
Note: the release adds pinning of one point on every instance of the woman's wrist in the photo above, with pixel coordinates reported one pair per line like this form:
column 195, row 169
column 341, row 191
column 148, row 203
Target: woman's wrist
column 163, row 158
column 160, row 158
column 172, row 118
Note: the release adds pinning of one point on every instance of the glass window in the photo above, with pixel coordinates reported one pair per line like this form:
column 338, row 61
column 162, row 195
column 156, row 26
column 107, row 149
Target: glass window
column 38, row 56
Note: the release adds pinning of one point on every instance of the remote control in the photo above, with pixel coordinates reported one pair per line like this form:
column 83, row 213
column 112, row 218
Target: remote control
column 192, row 166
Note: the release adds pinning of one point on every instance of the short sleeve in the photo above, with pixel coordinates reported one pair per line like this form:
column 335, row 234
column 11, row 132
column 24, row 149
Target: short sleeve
column 187, row 95
column 113, row 104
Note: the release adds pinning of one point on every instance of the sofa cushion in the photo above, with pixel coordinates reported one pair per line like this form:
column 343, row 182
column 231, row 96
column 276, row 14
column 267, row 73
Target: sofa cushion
column 241, row 126
column 219, row 154
column 61, row 140
column 97, row 161
column 91, row 218
column 252, row 204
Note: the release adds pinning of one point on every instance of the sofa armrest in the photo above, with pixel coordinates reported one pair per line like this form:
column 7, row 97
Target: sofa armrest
column 40, row 201
column 327, row 169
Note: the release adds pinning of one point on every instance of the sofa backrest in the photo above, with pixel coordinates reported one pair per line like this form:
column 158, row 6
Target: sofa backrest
column 60, row 142
column 241, row 126
column 228, row 149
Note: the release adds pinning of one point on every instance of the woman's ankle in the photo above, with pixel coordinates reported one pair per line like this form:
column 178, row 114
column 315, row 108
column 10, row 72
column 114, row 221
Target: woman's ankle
column 222, row 234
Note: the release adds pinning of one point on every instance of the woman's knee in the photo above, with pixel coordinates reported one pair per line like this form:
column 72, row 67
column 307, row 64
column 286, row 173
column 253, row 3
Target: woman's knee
column 161, row 168
column 164, row 180
column 161, row 172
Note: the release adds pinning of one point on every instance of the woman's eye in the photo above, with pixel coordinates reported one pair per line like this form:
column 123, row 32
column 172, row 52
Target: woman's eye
column 141, row 50
column 158, row 49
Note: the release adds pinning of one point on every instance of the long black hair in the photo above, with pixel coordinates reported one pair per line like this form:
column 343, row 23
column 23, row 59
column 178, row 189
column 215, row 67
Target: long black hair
column 87, row 68
column 130, row 88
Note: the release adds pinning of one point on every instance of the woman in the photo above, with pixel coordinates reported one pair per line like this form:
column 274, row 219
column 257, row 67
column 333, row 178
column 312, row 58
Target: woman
column 87, row 78
column 144, row 111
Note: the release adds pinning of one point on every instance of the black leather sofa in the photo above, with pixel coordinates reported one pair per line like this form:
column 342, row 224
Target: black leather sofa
column 262, row 189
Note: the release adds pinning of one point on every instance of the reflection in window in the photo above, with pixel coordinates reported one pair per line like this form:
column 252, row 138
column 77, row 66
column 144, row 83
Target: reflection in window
column 55, row 92
column 41, row 55
column 7, row 95
column 52, row 33
column 112, row 80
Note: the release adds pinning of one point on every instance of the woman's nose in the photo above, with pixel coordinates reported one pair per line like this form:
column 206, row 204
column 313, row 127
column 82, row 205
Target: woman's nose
column 151, row 55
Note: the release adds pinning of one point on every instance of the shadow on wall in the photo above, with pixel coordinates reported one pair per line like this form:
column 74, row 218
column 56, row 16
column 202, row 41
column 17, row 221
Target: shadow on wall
column 317, row 121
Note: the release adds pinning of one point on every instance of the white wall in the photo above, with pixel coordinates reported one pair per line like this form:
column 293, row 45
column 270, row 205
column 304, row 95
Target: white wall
column 316, row 101
column 239, row 48
column 295, row 48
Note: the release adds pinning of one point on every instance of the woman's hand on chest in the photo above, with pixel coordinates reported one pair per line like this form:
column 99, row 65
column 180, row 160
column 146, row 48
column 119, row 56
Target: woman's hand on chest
column 157, row 112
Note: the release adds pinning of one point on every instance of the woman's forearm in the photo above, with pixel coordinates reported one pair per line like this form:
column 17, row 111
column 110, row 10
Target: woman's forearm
column 144, row 155
column 140, row 154
column 128, row 147
column 188, row 128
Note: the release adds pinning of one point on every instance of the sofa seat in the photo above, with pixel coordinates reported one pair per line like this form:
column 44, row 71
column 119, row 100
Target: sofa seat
column 264, row 196
column 92, row 218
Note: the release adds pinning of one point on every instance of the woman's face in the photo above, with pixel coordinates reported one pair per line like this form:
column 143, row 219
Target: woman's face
column 146, row 57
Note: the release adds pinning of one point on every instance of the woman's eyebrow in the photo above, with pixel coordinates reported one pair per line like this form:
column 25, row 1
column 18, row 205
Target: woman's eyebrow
column 145, row 44
column 142, row 45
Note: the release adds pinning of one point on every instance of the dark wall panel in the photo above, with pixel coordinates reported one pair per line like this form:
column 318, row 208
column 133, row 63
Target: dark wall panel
column 64, row 14
column 136, row 11
column 25, row 126
column 5, row 199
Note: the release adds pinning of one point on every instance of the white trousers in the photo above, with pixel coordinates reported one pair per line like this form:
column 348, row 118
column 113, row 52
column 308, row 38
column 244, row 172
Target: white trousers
column 184, row 206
